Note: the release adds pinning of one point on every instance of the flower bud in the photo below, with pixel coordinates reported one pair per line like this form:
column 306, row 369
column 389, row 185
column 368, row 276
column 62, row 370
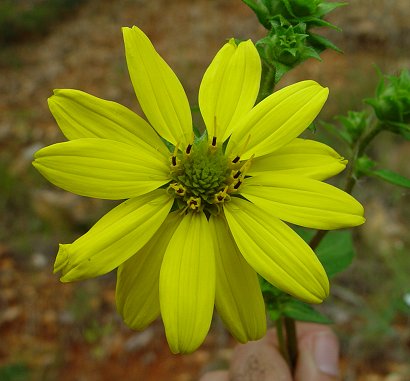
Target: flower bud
column 354, row 123
column 392, row 101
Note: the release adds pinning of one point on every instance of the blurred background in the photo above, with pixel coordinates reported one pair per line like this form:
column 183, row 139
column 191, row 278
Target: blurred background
column 52, row 331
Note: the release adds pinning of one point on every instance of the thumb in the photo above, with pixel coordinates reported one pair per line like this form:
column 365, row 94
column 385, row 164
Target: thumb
column 318, row 358
column 259, row 360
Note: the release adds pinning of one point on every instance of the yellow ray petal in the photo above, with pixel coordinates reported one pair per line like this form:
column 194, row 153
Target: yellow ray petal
column 159, row 92
column 238, row 297
column 277, row 120
column 301, row 157
column 302, row 201
column 81, row 115
column 187, row 284
column 102, row 168
column 229, row 88
column 114, row 238
column 276, row 252
column 137, row 292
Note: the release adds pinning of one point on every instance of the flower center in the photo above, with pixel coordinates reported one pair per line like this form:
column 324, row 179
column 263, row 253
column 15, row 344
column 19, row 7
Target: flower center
column 203, row 177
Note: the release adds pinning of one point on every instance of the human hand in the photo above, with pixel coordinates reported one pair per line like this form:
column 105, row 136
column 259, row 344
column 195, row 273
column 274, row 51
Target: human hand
column 261, row 361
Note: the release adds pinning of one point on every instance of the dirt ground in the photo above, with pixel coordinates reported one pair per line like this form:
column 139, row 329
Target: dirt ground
column 71, row 332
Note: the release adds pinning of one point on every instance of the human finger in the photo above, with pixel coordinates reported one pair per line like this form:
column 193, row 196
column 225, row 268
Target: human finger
column 258, row 360
column 218, row 375
column 318, row 358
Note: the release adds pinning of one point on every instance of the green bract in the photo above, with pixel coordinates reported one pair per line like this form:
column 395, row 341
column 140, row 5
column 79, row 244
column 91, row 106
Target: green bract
column 392, row 103
column 285, row 47
column 308, row 12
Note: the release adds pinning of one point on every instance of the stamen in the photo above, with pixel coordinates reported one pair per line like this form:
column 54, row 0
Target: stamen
column 246, row 166
column 174, row 156
column 194, row 203
column 238, row 157
column 179, row 189
column 189, row 146
column 237, row 174
column 238, row 184
column 221, row 196
column 213, row 142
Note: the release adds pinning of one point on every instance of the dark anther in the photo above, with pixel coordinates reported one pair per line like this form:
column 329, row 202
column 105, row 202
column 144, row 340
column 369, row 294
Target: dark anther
column 220, row 198
column 214, row 141
column 179, row 190
column 236, row 175
column 174, row 160
column 238, row 184
column 236, row 159
column 188, row 149
column 193, row 202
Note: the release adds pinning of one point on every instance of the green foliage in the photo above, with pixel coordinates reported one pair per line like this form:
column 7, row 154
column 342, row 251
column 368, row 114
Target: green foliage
column 351, row 128
column 285, row 46
column 298, row 310
column 335, row 251
column 19, row 20
column 290, row 40
column 14, row 372
column 391, row 112
column 280, row 305
column 392, row 103
column 365, row 165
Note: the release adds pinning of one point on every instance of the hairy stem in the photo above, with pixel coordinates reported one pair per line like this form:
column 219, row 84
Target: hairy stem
column 283, row 347
column 291, row 341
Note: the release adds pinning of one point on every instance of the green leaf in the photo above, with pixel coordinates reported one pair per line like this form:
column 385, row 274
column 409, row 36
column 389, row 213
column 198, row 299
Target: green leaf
column 298, row 310
column 325, row 8
column 262, row 12
column 335, row 251
column 338, row 132
column 316, row 22
column 274, row 314
column 402, row 129
column 316, row 39
column 391, row 177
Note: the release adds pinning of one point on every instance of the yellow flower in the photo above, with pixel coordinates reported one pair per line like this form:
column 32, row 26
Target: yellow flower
column 203, row 218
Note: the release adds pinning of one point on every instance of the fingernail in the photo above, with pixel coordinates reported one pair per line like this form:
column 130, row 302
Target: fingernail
column 326, row 352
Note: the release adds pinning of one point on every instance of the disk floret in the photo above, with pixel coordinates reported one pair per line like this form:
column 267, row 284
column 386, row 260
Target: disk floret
column 202, row 177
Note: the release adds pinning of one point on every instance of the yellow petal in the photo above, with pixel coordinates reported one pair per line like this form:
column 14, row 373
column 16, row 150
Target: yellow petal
column 229, row 88
column 159, row 92
column 102, row 168
column 187, row 284
column 277, row 120
column 302, row 201
column 137, row 292
column 81, row 115
column 301, row 157
column 238, row 297
column 114, row 238
column 276, row 252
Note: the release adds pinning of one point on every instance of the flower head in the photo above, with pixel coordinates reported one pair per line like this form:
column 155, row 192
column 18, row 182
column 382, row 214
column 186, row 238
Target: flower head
column 202, row 219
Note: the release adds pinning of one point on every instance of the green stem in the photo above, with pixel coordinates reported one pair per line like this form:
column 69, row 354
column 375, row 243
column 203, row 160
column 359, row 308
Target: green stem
column 292, row 343
column 283, row 347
